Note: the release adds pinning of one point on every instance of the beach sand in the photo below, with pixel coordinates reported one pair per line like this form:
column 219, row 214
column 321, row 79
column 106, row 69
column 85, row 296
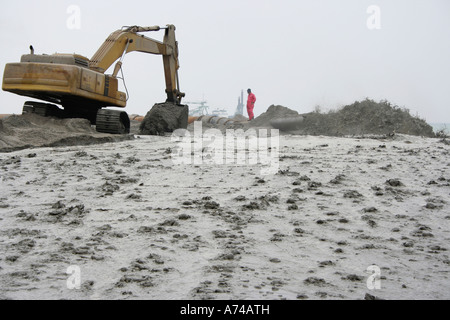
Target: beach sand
column 342, row 218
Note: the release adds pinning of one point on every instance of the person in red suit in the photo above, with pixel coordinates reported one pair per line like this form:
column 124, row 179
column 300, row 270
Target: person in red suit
column 250, row 104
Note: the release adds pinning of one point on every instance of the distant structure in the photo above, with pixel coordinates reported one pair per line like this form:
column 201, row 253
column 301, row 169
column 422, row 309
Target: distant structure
column 199, row 111
column 220, row 113
column 240, row 106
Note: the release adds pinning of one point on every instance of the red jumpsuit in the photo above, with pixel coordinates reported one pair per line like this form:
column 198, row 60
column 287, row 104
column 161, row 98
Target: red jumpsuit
column 250, row 105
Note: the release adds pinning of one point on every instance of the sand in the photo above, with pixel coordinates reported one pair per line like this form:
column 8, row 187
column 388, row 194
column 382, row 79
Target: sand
column 31, row 130
column 339, row 213
column 363, row 216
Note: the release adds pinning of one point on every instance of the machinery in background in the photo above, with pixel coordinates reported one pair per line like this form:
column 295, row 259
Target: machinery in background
column 240, row 105
column 200, row 110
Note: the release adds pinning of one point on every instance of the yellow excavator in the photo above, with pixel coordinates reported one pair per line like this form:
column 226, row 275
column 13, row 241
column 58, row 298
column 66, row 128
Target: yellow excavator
column 80, row 85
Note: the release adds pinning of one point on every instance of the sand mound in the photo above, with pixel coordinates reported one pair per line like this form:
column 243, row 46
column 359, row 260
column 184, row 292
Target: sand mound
column 31, row 130
column 359, row 118
column 240, row 118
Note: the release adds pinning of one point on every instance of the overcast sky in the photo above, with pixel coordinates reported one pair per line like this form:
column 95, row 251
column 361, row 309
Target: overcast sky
column 295, row 53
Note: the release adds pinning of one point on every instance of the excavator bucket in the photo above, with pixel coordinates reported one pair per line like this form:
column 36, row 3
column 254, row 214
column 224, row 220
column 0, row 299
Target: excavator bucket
column 164, row 117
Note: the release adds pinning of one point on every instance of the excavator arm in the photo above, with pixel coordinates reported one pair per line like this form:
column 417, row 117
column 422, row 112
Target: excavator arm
column 128, row 40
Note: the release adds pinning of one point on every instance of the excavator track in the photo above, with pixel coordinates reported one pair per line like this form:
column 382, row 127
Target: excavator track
column 42, row 109
column 112, row 121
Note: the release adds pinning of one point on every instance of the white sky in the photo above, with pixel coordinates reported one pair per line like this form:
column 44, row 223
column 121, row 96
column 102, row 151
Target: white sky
column 295, row 53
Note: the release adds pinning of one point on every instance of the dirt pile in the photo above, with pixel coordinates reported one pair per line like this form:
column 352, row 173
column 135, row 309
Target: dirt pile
column 164, row 117
column 240, row 118
column 360, row 118
column 31, row 130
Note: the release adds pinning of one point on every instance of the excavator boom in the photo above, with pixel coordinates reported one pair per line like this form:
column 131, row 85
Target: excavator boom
column 124, row 41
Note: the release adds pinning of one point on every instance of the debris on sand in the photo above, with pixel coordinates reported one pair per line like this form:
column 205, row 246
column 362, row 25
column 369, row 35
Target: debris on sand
column 336, row 210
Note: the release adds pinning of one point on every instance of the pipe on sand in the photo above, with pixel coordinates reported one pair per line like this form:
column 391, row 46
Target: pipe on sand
column 287, row 124
column 216, row 120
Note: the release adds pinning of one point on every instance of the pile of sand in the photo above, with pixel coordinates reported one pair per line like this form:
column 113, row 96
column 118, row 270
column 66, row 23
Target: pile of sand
column 31, row 130
column 359, row 118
